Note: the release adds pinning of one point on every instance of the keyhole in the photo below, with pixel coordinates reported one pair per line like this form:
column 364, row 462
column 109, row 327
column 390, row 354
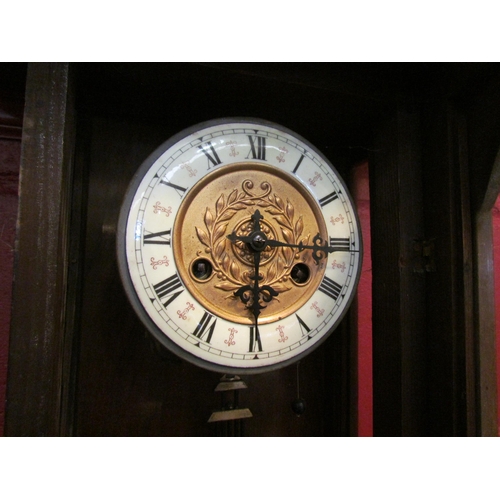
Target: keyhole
column 202, row 269
column 300, row 273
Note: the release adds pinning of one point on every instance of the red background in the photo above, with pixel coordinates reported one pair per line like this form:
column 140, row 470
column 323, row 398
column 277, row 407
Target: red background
column 361, row 193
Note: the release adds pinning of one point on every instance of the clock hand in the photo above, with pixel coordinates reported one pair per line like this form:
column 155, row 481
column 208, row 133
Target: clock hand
column 257, row 242
column 320, row 247
column 256, row 306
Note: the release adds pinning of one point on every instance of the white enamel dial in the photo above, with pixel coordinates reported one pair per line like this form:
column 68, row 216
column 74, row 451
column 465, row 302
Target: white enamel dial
column 187, row 268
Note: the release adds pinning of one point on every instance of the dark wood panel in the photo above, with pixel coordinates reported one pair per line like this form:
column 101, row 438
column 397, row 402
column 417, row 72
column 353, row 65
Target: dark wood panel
column 424, row 347
column 37, row 337
column 175, row 96
column 398, row 278
column 449, row 293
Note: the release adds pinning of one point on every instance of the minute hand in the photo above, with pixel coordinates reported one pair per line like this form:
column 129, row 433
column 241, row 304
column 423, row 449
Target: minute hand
column 320, row 247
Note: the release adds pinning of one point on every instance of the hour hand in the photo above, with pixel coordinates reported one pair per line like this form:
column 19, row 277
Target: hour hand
column 256, row 240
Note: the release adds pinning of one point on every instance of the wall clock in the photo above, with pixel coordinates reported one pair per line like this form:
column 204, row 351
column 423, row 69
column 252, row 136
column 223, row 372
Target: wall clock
column 239, row 246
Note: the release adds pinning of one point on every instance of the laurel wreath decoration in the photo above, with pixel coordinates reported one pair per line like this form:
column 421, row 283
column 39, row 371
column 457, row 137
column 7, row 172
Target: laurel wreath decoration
column 230, row 274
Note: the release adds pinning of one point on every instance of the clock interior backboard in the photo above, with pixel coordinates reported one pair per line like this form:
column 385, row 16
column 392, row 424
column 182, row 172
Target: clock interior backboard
column 126, row 385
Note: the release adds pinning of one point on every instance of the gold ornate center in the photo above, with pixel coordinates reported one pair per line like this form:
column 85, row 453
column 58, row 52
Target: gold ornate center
column 245, row 254
column 213, row 268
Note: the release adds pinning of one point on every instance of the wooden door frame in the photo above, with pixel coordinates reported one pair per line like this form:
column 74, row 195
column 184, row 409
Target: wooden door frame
column 40, row 350
column 487, row 397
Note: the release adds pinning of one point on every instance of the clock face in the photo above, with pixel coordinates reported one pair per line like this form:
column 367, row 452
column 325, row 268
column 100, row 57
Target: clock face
column 239, row 246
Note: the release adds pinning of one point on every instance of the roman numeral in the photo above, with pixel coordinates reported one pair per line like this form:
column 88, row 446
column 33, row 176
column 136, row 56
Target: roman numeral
column 149, row 239
column 303, row 326
column 255, row 343
column 175, row 186
column 166, row 288
column 213, row 156
column 327, row 199
column 330, row 287
column 340, row 244
column 257, row 147
column 205, row 328
column 294, row 171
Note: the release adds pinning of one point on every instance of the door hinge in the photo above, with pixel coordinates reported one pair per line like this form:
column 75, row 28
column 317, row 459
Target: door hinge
column 424, row 256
